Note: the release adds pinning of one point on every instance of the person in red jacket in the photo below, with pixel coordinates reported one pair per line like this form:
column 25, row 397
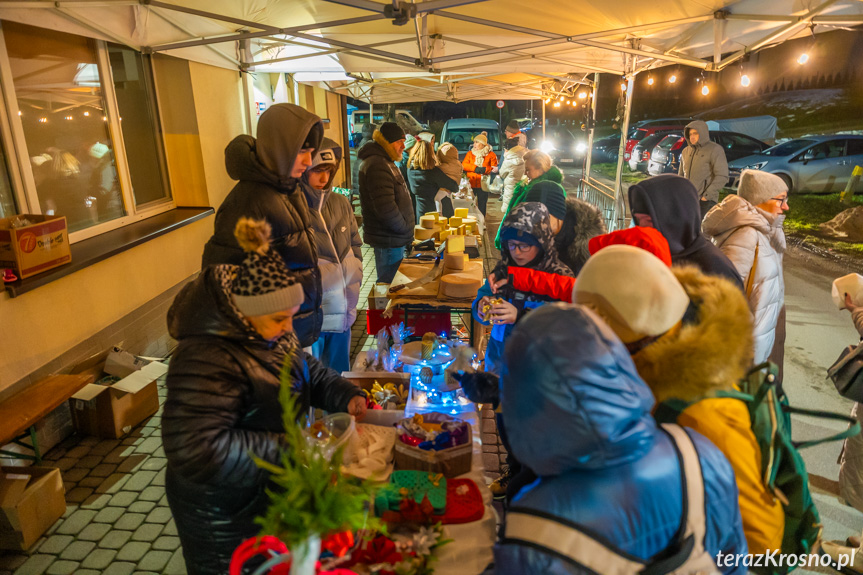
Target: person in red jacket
column 478, row 162
column 560, row 288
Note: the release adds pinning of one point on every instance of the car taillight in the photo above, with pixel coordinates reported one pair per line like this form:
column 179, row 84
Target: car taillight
column 679, row 144
column 645, row 156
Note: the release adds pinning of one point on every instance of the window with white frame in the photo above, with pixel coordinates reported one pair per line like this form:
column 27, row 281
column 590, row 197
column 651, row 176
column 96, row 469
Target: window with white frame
column 84, row 126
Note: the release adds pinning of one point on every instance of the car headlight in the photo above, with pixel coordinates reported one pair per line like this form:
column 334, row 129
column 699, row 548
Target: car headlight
column 580, row 148
column 547, row 147
column 756, row 166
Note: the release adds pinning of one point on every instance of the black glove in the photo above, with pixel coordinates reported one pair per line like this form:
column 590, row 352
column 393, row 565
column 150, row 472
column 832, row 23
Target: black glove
column 480, row 386
column 480, row 170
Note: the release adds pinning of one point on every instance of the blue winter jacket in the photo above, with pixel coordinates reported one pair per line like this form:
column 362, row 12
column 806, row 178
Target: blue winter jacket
column 499, row 332
column 579, row 416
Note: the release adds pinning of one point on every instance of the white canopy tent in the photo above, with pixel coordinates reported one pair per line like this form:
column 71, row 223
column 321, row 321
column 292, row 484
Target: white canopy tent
column 444, row 49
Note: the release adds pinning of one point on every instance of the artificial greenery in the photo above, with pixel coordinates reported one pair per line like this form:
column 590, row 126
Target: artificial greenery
column 315, row 498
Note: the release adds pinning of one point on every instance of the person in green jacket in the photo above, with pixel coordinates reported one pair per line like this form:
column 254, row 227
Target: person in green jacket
column 538, row 167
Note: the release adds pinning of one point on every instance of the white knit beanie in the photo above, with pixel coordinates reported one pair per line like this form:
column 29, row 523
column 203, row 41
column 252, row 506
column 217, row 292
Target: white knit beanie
column 633, row 290
column 756, row 187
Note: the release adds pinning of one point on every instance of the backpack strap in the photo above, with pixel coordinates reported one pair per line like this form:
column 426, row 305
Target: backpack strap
column 696, row 515
column 566, row 541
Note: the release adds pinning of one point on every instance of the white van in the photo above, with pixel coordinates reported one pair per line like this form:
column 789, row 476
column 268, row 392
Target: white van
column 404, row 118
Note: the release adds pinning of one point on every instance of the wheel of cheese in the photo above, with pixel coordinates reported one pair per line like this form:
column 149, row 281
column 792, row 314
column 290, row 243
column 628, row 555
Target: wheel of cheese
column 459, row 285
column 428, row 222
column 421, row 233
column 454, row 261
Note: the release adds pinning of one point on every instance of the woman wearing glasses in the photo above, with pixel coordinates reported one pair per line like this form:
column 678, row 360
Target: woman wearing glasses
column 748, row 229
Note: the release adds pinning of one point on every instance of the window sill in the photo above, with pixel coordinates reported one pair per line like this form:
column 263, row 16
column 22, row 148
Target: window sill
column 96, row 249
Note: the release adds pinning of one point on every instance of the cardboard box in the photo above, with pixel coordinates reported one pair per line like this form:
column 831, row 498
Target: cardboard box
column 378, row 299
column 111, row 410
column 366, row 379
column 33, row 249
column 31, row 500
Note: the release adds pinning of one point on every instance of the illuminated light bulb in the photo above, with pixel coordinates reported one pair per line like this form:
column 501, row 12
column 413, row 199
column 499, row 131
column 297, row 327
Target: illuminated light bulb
column 803, row 58
column 705, row 90
column 43, row 120
column 547, row 100
column 745, row 81
column 86, row 113
column 650, row 81
column 569, row 101
column 68, row 117
column 104, row 118
column 672, row 79
column 19, row 112
column 557, row 104
column 582, row 95
column 561, row 98
column 623, row 86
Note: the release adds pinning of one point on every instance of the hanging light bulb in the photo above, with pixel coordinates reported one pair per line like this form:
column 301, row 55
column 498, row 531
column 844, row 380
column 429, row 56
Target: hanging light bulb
column 803, row 58
column 86, row 113
column 557, row 104
column 672, row 79
column 547, row 100
column 561, row 98
column 745, row 81
column 650, row 80
column 582, row 95
column 705, row 90
column 19, row 112
column 623, row 86
column 569, row 101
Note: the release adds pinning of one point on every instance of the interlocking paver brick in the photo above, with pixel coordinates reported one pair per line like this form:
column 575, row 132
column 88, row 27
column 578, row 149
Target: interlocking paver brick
column 152, row 494
column 165, row 543
column 177, row 565
column 149, row 445
column 89, row 462
column 123, row 499
column 139, row 481
column 148, row 532
column 99, row 559
column 95, row 531
column 78, row 452
column 118, row 454
column 129, row 521
column 133, row 551
column 78, row 550
column 115, row 539
column 90, row 481
column 75, row 474
column 155, row 463
column 113, row 483
column 159, row 480
column 105, row 447
column 96, row 501
column 170, row 528
column 159, row 515
column 142, row 507
column 155, row 561
column 119, row 568
column 62, row 568
column 103, row 470
column 65, row 463
column 88, row 572
column 76, row 522
column 132, row 463
column 78, row 494
column 55, row 544
column 11, row 561
column 109, row 515
column 35, row 565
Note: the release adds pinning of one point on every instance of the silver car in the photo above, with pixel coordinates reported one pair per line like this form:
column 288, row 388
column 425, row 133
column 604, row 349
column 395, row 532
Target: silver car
column 813, row 164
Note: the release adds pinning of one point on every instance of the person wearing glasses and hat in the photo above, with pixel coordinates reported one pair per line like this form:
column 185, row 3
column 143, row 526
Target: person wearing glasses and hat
column 748, row 229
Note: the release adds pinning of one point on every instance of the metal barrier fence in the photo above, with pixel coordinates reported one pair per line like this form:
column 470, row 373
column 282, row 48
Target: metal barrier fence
column 600, row 195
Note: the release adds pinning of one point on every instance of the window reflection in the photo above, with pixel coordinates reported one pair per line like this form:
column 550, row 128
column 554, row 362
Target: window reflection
column 62, row 112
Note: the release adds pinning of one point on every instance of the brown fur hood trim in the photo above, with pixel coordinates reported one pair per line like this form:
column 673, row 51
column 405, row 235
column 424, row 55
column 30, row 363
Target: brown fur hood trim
column 710, row 354
column 388, row 148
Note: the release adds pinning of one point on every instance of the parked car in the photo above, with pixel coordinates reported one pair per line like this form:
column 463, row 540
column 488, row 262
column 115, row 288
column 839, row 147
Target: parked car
column 460, row 132
column 560, row 143
column 605, row 149
column 638, row 133
column 736, row 146
column 640, row 155
column 403, row 118
column 817, row 163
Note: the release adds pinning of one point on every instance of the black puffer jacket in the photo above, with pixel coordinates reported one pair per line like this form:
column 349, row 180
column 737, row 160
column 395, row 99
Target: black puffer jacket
column 388, row 213
column 260, row 195
column 223, row 386
column 582, row 222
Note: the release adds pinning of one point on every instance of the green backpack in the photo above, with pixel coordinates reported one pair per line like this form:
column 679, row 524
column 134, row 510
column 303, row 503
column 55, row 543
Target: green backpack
column 782, row 468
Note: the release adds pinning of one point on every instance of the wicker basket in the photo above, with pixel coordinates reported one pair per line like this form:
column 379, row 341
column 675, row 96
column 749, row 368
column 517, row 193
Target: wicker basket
column 452, row 462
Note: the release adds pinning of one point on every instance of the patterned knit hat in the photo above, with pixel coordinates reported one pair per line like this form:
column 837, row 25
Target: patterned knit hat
column 263, row 285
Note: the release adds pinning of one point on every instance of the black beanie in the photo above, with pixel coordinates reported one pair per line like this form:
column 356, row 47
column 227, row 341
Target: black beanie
column 551, row 195
column 510, row 143
column 512, row 127
column 392, row 132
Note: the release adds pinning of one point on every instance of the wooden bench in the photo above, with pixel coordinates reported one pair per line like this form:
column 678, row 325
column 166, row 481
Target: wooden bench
column 21, row 412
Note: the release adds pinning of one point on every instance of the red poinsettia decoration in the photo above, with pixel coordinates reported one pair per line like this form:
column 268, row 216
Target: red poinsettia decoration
column 381, row 549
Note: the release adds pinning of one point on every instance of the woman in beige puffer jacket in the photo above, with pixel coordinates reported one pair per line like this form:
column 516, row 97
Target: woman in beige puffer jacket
column 747, row 225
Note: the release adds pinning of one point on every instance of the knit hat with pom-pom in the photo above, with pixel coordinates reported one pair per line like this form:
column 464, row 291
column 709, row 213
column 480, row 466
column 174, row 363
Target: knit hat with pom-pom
column 263, row 284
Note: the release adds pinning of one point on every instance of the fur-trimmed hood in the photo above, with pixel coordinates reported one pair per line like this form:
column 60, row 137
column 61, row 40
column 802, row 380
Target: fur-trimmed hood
column 388, row 148
column 583, row 221
column 711, row 351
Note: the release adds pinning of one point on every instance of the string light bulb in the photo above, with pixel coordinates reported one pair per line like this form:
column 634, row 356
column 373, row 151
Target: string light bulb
column 87, row 114
column 557, row 104
column 582, row 95
column 650, row 80
column 705, row 90
column 623, row 86
column 803, row 58
column 672, row 79
column 745, row 81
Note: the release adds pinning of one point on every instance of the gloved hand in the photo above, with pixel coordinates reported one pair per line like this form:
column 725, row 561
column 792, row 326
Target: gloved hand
column 480, row 386
column 480, row 170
